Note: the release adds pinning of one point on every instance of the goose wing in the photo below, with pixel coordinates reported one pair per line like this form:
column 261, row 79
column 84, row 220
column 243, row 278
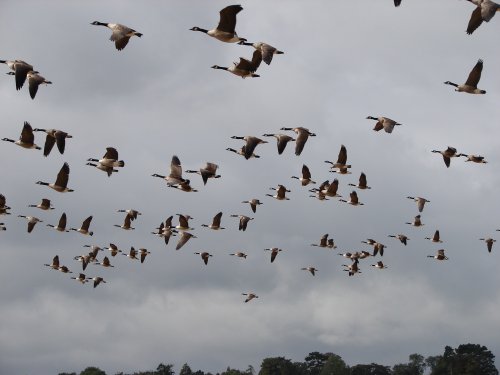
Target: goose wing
column 475, row 21
column 475, row 74
column 283, row 139
column 306, row 174
column 21, row 71
column 175, row 168
column 60, row 138
column 267, row 53
column 62, row 221
column 227, row 20
column 362, row 180
column 342, row 159
column 49, row 144
column 111, row 153
column 216, row 220
column 63, row 176
column 27, row 135
column 397, row 3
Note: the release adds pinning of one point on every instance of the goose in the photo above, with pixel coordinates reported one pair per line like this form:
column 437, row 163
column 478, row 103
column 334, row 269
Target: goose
column 253, row 203
column 81, row 278
column 244, row 68
column 110, row 159
column 94, row 250
column 250, row 145
column 64, row 269
column 61, row 226
column 131, row 212
column 215, row 222
column 341, row 170
column 165, row 230
column 416, row 222
column 485, row 10
column 175, row 175
column 239, row 254
column 204, row 255
column 353, row 268
column 105, row 262
column 143, row 253
column 489, row 243
column 184, row 186
column 274, row 252
column 183, row 238
column 208, row 171
column 27, row 138
column 325, row 242
column 474, row 158
column 470, row 86
column 184, row 222
column 439, row 255
column 384, row 123
column 53, row 137
column 35, row 80
column 55, row 263
column 243, row 221
column 109, row 170
column 319, row 195
column 302, row 135
column 126, row 223
column 380, row 265
column 225, row 30
column 378, row 248
column 113, row 249
column 32, row 220
column 306, row 176
column 85, row 259
column 311, row 269
column 98, row 280
column 20, row 69
column 347, row 255
column 250, row 296
column 84, row 229
column 281, row 140
column 330, row 189
column 242, row 152
column 353, row 199
column 265, row 49
column 447, row 154
column 362, row 182
column 401, row 237
column 132, row 254
column 3, row 206
column 280, row 193
column 397, row 3
column 61, row 181
column 435, row 237
column 364, row 254
column 369, row 241
column 420, row 202
column 44, row 205
column 341, row 159
column 120, row 33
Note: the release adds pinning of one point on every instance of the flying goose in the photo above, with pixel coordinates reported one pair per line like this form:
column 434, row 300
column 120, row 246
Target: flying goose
column 341, row 159
column 84, row 229
column 420, row 202
column 244, row 68
column 274, row 252
column 243, row 221
column 384, row 123
column 485, row 10
column 110, row 159
column 347, row 255
column 113, row 249
column 61, row 226
column 126, row 223
column 3, row 206
column 447, row 154
column 302, row 135
column 32, row 220
column 306, row 176
column 165, row 230
column 132, row 254
column 208, row 171
column 184, row 222
column 109, row 170
column 239, row 254
column 121, row 33
column 184, row 186
column 35, row 80
column 81, row 278
column 55, row 263
column 250, row 145
column 250, row 296
column 280, row 193
column 215, row 222
column 204, row 256
column 489, row 243
column 98, row 280
column 183, row 238
column 143, row 253
column 85, row 259
column 319, row 195
column 369, row 241
column 64, row 269
column 435, row 237
column 225, row 30
column 470, row 86
column 474, row 158
column 416, row 222
column 20, row 69
column 242, row 152
column 353, row 199
column 401, row 237
column 311, row 269
column 397, row 3
column 27, row 138
column 352, row 268
column 175, row 175
column 439, row 255
column 325, row 242
column 380, row 265
column 362, row 182
column 105, row 262
column 131, row 212
column 44, row 205
column 253, row 204
column 54, row 136
column 265, row 49
column 61, row 181
column 329, row 189
column 378, row 248
column 281, row 140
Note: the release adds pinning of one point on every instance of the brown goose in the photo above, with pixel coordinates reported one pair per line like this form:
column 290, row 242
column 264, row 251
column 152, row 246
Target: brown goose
column 26, row 139
column 353, row 199
column 311, row 269
column 55, row 263
column 362, row 184
column 98, row 280
column 243, row 221
column 265, row 49
column 470, row 86
column 183, row 238
column 32, row 220
column 225, row 30
column 250, row 296
column 435, row 237
column 81, row 278
column 489, row 243
column 244, row 68
column 239, row 254
column 175, row 176
column 325, row 242
column 384, row 123
column 416, row 222
column 113, row 249
column 35, row 80
column 439, row 255
column 281, row 140
column 380, row 265
column 131, row 213
column 302, row 135
column 280, row 193
column 208, row 171
column 61, row 181
column 341, row 159
column 485, row 10
column 53, row 137
column 447, row 154
column 84, row 229
column 250, row 145
column 121, row 34
column 110, row 159
column 20, row 70
column 204, row 255
column 474, row 158
column 274, row 252
column 143, row 253
column 61, row 226
column 215, row 222
column 253, row 204
column 305, row 179
column 401, row 237
column 420, row 202
column 44, row 205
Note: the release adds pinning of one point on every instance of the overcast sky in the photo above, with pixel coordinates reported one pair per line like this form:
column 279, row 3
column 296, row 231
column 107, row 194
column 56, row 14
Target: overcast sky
column 343, row 61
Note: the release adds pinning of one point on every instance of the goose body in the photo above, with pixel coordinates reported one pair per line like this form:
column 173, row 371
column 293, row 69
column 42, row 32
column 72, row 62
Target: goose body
column 380, row 265
column 274, row 252
column 250, row 296
column 175, row 175
column 243, row 221
column 244, row 68
column 215, row 222
column 362, row 184
column 474, row 158
column 55, row 263
column 243, row 152
column 110, row 159
column 303, row 135
column 98, row 280
column 183, row 238
column 439, row 255
column 325, row 242
column 447, row 154
column 81, row 278
column 32, row 220
column 61, row 226
column 132, row 213
column 121, row 34
column 61, row 181
column 251, row 143
column 470, row 86
column 305, row 179
column 416, row 222
column 20, row 69
column 208, row 171
column 53, row 137
column 113, row 249
column 401, row 237
column 109, row 170
column 35, row 80
column 420, row 202
column 354, row 201
column 126, row 223
column 341, row 159
column 44, row 205
column 311, row 269
column 281, row 141
column 26, row 139
column 225, row 30
column 239, row 254
column 265, row 49
column 280, row 193
column 253, row 204
column 435, row 237
column 489, row 243
column 205, row 256
column 485, row 10
column 384, row 123
column 84, row 229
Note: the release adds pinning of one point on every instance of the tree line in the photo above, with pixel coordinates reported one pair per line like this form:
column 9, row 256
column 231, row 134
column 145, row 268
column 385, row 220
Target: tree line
column 466, row 359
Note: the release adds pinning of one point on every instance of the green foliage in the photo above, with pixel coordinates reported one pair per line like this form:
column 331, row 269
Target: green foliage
column 163, row 369
column 315, row 362
column 280, row 366
column 371, row 369
column 335, row 365
column 185, row 370
column 416, row 366
column 467, row 359
column 92, row 371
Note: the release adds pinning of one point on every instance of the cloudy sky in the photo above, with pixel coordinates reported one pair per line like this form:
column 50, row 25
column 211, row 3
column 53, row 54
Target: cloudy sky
column 343, row 61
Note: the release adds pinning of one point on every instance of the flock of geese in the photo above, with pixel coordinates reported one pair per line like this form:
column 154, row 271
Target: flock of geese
column 327, row 190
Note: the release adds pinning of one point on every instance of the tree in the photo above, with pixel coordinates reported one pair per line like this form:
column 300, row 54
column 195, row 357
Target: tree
column 335, row 365
column 163, row 369
column 416, row 366
column 315, row 362
column 371, row 369
column 467, row 359
column 185, row 370
column 92, row 371
column 279, row 366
